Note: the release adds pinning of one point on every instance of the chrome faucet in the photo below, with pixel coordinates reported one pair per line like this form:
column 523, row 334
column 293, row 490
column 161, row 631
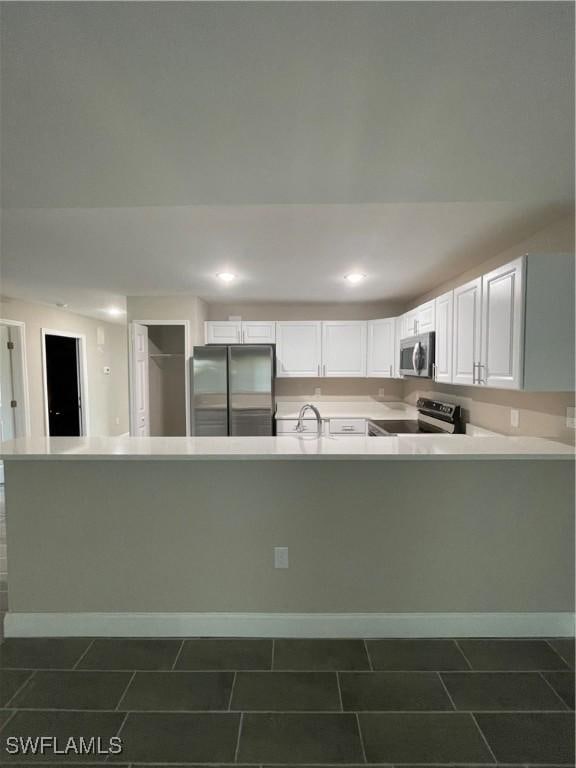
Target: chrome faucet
column 315, row 411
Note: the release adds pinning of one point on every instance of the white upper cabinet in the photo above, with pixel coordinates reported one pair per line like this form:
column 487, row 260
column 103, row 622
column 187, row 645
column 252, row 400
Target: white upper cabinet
column 344, row 348
column 409, row 324
column 419, row 320
column 258, row 332
column 382, row 348
column 443, row 319
column 466, row 332
column 502, row 327
column 223, row 331
column 426, row 318
column 298, row 348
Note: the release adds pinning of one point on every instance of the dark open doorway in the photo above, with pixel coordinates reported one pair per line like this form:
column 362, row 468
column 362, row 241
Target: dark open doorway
column 63, row 385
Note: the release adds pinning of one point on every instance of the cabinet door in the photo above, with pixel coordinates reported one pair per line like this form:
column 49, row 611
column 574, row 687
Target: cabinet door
column 344, row 348
column 298, row 348
column 467, row 329
column 409, row 324
column 426, row 317
column 502, row 327
column 443, row 355
column 258, row 332
column 223, row 331
column 382, row 347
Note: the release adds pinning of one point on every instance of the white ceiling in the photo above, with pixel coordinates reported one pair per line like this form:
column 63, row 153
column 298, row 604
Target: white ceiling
column 145, row 146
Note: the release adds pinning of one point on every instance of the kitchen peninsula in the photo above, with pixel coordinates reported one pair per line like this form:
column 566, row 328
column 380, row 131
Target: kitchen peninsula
column 428, row 535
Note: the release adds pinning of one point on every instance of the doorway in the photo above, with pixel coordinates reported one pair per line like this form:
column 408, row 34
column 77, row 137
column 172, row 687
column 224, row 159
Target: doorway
column 159, row 384
column 65, row 379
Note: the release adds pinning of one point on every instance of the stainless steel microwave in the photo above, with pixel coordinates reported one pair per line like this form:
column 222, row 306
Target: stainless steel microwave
column 417, row 356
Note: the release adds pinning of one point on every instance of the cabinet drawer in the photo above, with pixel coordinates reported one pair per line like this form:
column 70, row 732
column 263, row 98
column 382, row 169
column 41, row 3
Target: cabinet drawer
column 288, row 426
column 347, row 426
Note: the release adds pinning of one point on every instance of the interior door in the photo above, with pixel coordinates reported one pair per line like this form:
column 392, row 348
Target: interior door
column 444, row 333
column 62, row 361
column 7, row 415
column 140, row 408
column 502, row 327
column 467, row 330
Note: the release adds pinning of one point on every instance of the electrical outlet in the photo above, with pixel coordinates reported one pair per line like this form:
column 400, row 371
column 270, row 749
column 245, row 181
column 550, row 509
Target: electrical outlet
column 514, row 417
column 106, row 370
column 317, row 391
column 381, row 392
column 280, row 557
column 571, row 418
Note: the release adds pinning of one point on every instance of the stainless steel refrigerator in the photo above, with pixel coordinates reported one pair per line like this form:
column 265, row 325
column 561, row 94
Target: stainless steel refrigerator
column 233, row 389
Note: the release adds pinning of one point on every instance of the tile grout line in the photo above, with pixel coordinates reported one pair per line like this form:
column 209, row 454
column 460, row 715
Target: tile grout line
column 447, row 691
column 128, row 684
column 12, row 715
column 122, row 724
column 82, row 655
column 466, row 659
column 178, row 655
column 484, row 739
column 361, row 737
column 549, row 644
column 20, row 689
column 368, row 655
column 339, row 691
column 549, row 684
column 232, row 691
column 423, row 712
column 237, row 750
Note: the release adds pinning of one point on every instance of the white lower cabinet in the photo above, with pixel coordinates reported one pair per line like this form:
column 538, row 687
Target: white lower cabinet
column 288, row 426
column 502, row 327
column 466, row 332
column 298, row 348
column 382, row 348
column 347, row 426
column 344, row 348
column 444, row 328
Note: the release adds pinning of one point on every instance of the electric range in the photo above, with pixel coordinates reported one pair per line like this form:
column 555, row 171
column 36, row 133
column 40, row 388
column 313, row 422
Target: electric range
column 433, row 417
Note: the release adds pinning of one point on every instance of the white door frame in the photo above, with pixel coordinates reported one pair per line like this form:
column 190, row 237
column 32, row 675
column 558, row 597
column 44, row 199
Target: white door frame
column 20, row 375
column 82, row 378
column 187, row 356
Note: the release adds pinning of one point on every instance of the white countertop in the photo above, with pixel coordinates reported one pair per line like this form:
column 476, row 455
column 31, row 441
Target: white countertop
column 358, row 408
column 453, row 447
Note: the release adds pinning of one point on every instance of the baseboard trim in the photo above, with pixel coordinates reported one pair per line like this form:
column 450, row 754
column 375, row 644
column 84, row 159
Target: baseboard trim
column 289, row 624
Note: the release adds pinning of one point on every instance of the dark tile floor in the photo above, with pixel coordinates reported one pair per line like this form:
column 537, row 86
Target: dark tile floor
column 263, row 703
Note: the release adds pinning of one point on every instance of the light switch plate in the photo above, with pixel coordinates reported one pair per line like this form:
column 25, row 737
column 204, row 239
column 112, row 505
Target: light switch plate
column 317, row 391
column 280, row 557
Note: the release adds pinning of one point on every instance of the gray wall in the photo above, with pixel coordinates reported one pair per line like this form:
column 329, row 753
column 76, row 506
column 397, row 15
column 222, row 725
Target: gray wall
column 108, row 395
column 364, row 536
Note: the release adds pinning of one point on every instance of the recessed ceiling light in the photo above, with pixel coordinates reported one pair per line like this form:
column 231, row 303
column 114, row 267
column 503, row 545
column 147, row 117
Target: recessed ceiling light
column 226, row 277
column 354, row 277
column 114, row 311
